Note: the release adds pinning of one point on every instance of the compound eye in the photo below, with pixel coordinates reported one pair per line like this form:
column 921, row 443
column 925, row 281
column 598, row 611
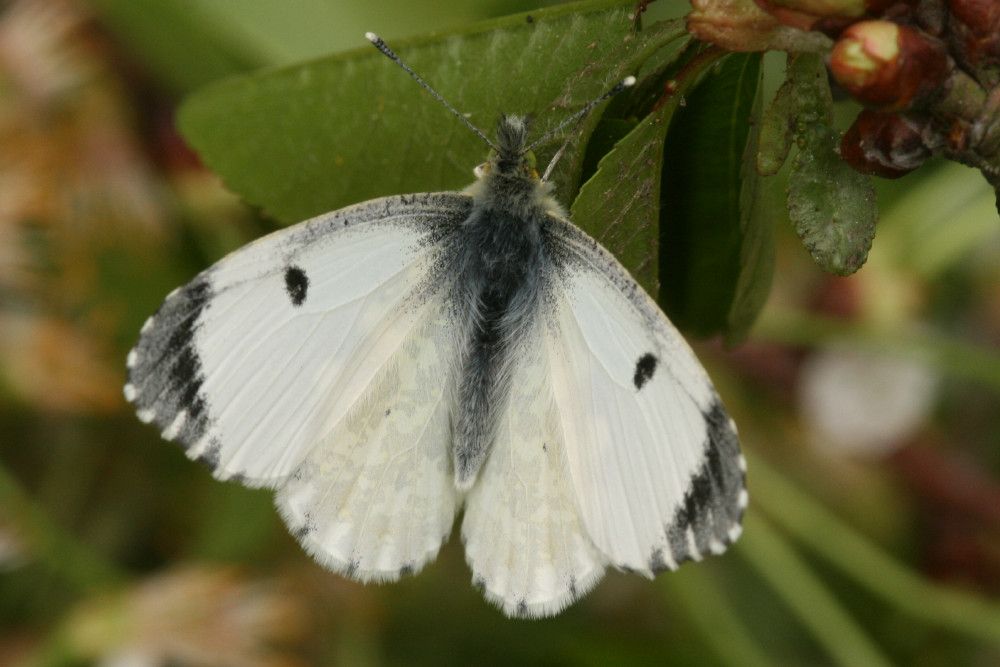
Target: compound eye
column 481, row 169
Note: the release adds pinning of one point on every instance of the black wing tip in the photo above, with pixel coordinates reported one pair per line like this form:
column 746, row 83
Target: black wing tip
column 165, row 370
column 710, row 516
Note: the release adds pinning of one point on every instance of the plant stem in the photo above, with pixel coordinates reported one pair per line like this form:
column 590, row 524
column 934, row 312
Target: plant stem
column 948, row 355
column 792, row 579
column 75, row 563
column 722, row 630
column 865, row 562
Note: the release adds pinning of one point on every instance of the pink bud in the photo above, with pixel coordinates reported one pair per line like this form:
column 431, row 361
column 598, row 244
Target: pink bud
column 889, row 66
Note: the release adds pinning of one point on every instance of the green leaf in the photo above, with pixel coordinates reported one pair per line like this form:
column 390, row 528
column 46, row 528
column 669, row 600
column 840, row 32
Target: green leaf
column 753, row 283
column 608, row 132
column 310, row 138
column 189, row 43
column 620, row 204
column 832, row 207
column 704, row 231
column 319, row 27
column 776, row 131
column 810, row 90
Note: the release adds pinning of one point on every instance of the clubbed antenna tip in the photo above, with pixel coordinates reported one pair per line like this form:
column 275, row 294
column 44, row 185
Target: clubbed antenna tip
column 627, row 82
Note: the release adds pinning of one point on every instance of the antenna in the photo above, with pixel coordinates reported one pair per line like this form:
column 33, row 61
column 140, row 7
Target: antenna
column 627, row 82
column 391, row 55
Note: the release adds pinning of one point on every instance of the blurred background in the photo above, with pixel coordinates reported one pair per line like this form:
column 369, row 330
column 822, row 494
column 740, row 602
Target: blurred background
column 869, row 406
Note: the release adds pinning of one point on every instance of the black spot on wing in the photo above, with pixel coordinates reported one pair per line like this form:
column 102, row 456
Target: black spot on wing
column 522, row 608
column 711, row 507
column 644, row 369
column 296, row 284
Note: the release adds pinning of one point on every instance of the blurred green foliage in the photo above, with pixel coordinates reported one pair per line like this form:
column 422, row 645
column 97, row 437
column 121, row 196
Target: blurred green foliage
column 112, row 542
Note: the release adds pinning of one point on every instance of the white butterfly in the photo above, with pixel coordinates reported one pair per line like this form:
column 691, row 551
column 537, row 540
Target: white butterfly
column 384, row 365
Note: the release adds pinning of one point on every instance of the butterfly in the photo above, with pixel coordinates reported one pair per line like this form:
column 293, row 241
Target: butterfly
column 388, row 364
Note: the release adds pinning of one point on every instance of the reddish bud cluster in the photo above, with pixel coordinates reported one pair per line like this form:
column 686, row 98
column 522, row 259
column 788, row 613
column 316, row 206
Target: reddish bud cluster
column 826, row 16
column 905, row 62
column 928, row 70
column 975, row 26
column 884, row 144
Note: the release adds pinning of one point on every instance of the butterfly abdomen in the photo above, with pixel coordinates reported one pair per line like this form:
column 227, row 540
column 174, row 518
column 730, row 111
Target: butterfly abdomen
column 499, row 285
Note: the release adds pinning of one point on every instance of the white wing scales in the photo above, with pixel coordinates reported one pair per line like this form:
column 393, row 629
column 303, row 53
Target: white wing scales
column 614, row 447
column 653, row 455
column 264, row 352
column 320, row 361
column 524, row 539
column 375, row 499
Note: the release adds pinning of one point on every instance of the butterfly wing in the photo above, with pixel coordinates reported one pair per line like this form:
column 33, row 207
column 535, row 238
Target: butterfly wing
column 652, row 454
column 613, row 446
column 524, row 538
column 375, row 498
column 318, row 360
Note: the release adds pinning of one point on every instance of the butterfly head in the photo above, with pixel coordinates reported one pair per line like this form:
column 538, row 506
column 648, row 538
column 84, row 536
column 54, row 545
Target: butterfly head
column 510, row 157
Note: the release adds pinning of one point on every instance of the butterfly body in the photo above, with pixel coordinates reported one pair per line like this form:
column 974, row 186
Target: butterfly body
column 386, row 365
column 499, row 283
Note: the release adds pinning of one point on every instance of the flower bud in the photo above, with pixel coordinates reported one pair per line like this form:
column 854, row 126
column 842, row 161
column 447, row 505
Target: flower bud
column 817, row 8
column 741, row 25
column 789, row 13
column 889, row 66
column 884, row 144
column 976, row 30
column 826, row 16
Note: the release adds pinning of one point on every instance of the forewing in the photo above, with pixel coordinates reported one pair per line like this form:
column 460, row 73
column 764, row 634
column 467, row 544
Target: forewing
column 524, row 537
column 653, row 455
column 255, row 361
